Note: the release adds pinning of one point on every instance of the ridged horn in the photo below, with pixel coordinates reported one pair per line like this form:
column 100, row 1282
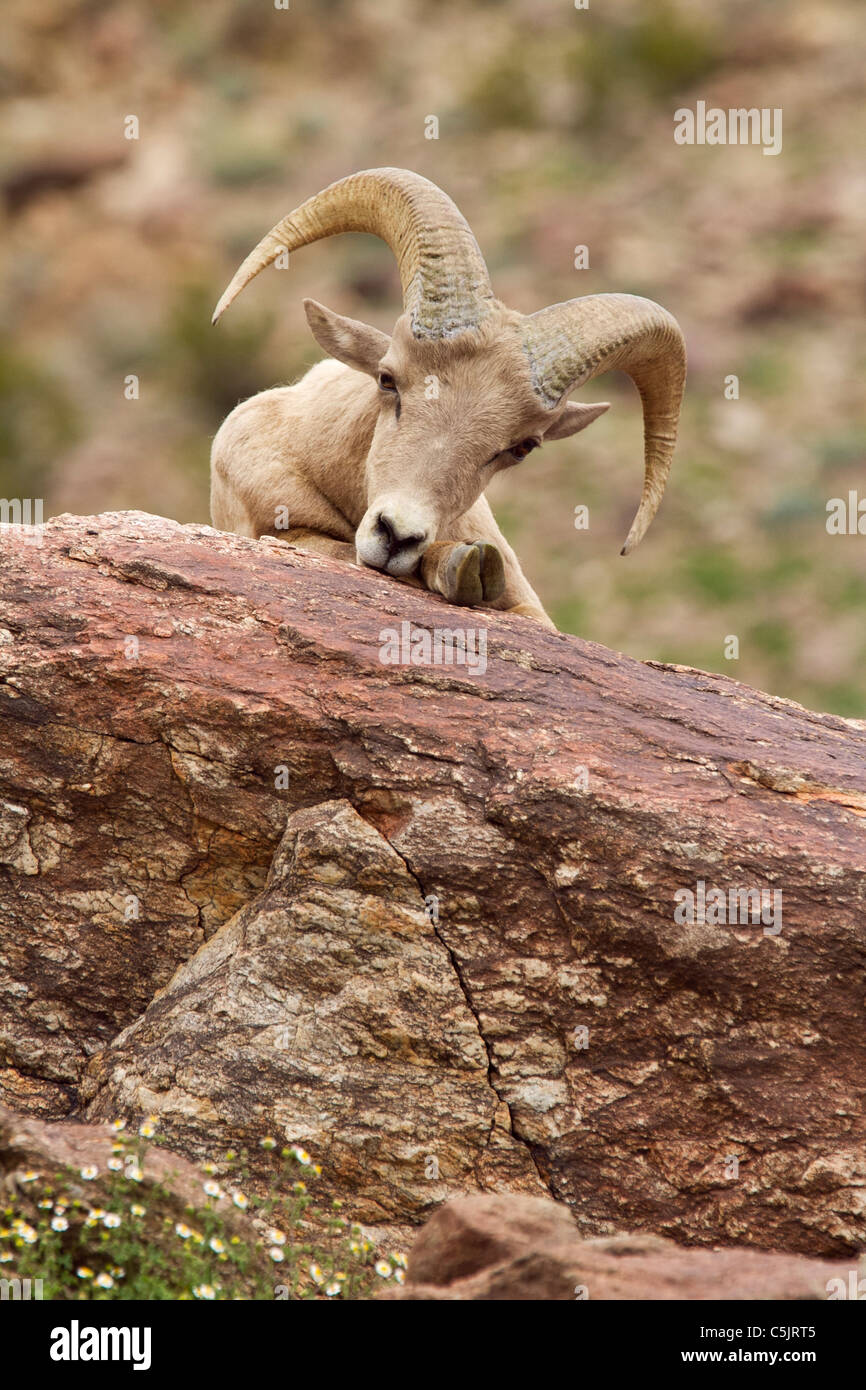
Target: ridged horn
column 569, row 344
column 446, row 288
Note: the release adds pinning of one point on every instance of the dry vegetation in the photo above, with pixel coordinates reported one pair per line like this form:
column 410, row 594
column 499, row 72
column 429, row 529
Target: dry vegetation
column 556, row 128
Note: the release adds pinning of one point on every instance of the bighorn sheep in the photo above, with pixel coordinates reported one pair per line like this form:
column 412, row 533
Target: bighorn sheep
column 382, row 456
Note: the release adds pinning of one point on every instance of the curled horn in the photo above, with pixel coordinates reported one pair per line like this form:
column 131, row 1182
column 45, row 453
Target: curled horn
column 569, row 344
column 446, row 288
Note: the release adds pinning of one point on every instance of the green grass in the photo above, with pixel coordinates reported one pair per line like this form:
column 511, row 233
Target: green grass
column 118, row 1235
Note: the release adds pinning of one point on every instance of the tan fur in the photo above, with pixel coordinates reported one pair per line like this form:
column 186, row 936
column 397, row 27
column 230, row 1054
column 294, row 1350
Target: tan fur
column 392, row 471
column 332, row 453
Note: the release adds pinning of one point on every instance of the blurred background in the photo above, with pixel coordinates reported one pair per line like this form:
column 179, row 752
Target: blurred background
column 555, row 130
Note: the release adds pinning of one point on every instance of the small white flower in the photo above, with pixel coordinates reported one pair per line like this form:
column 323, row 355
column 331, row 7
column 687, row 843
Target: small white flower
column 331, row 1289
column 212, row 1188
column 89, row 1172
column 275, row 1236
column 60, row 1224
column 135, row 1174
column 111, row 1220
column 216, row 1245
column 240, row 1200
column 276, row 1254
column 383, row 1269
column 104, row 1281
column 316, row 1275
column 118, row 1125
column 182, row 1230
column 115, row 1165
column 137, row 1209
column 204, row 1291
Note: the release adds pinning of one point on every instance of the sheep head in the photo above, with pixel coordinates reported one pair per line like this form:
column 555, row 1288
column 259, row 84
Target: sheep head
column 467, row 387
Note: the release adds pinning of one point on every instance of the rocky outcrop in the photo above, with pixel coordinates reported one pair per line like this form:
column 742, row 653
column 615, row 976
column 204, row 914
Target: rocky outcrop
column 518, row 1249
column 327, row 1009
column 423, row 918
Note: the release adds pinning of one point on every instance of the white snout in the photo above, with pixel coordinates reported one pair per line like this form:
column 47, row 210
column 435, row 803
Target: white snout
column 393, row 535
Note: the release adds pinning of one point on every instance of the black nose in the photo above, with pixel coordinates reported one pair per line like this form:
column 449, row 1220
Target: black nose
column 393, row 541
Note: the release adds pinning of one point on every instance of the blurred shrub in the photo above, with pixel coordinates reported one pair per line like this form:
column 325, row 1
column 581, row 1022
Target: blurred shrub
column 845, row 698
column 843, row 450
column 850, row 592
column 238, row 163
column 716, row 574
column 37, row 420
column 504, row 93
column 668, row 50
column 767, row 371
column 773, row 639
column 663, row 52
column 796, row 504
column 214, row 367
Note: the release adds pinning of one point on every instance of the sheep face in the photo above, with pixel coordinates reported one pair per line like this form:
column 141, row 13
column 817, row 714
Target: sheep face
column 467, row 387
column 452, row 413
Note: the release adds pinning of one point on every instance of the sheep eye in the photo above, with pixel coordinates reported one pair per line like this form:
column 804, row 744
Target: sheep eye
column 526, row 446
column 387, row 382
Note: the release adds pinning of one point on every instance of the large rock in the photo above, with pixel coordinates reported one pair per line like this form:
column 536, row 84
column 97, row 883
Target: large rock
column 522, row 1248
column 171, row 699
column 327, row 1010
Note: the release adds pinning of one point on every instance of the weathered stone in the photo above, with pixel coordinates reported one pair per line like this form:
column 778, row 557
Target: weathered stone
column 522, row 1248
column 328, row 1011
column 549, row 808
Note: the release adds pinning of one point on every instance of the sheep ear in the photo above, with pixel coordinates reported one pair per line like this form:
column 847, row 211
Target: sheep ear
column 575, row 417
column 352, row 342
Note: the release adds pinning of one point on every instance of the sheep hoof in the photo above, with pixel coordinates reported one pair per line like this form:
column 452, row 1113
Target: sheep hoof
column 474, row 574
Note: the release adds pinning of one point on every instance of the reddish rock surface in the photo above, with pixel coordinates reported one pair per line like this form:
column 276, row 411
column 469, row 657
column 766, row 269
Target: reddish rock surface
column 522, row 1248
column 170, row 697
